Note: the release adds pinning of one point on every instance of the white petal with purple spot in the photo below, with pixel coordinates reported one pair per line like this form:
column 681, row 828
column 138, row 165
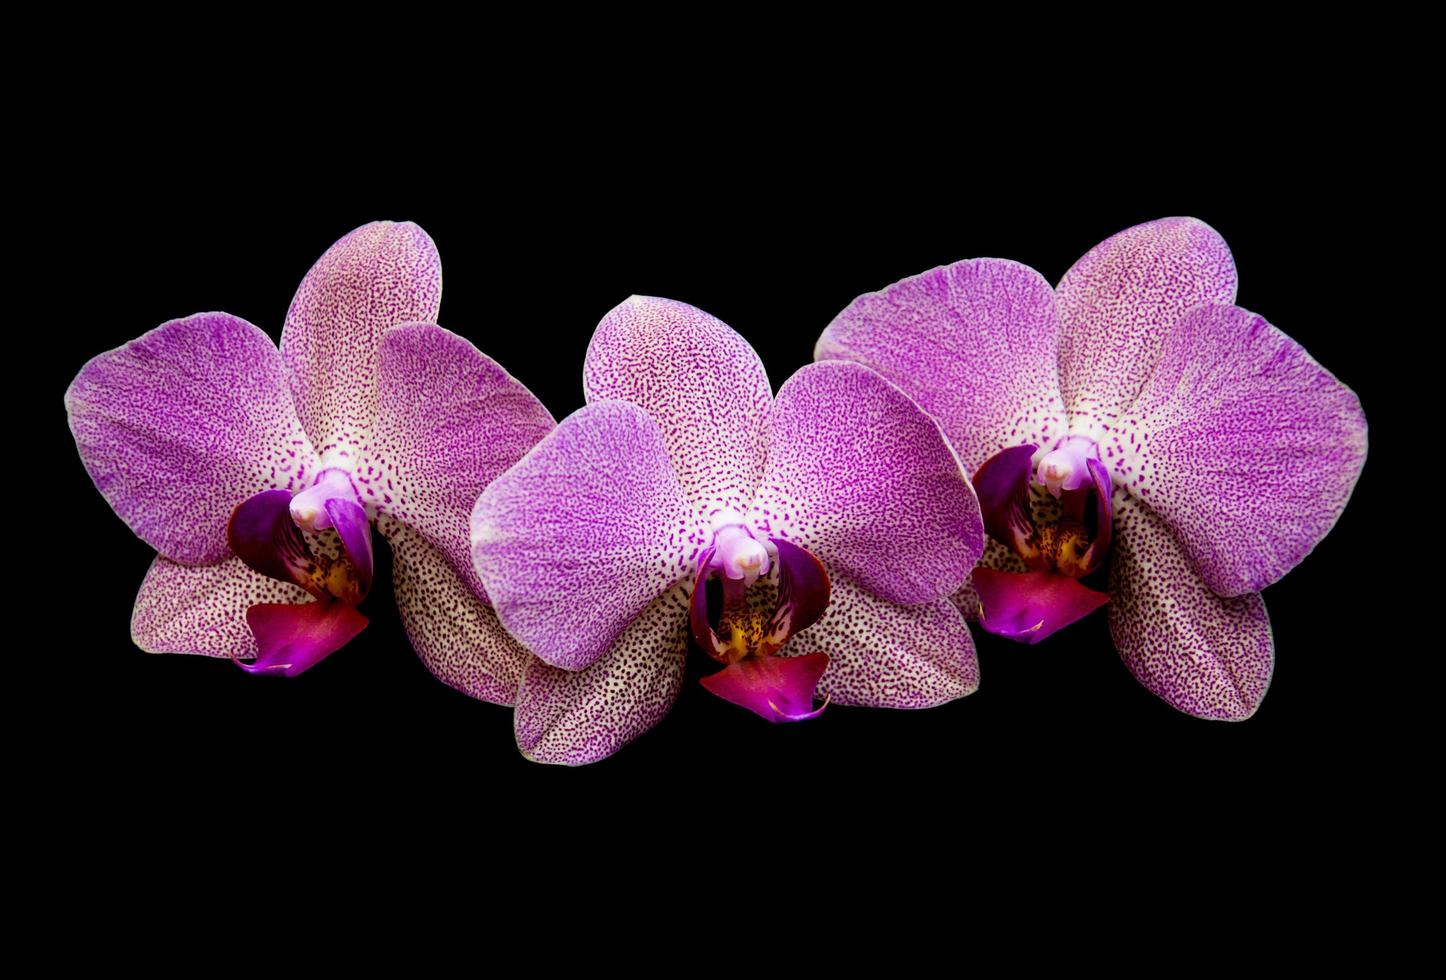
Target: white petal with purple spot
column 703, row 384
column 1245, row 445
column 884, row 655
column 975, row 343
column 861, row 477
column 1207, row 656
column 201, row 609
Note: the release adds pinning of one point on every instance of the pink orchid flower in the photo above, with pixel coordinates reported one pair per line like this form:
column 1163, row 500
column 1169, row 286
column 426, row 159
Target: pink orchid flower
column 1131, row 425
column 258, row 473
column 807, row 542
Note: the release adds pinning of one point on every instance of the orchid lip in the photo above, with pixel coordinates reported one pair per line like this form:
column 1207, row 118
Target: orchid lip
column 747, row 640
column 1052, row 508
column 265, row 534
column 1030, row 606
column 777, row 689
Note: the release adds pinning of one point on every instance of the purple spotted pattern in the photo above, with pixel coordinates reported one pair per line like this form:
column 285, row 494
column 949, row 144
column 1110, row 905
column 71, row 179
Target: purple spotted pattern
column 201, row 609
column 1118, row 303
column 379, row 275
column 983, row 333
column 703, row 383
column 590, row 545
column 1230, row 450
column 179, row 427
column 170, row 446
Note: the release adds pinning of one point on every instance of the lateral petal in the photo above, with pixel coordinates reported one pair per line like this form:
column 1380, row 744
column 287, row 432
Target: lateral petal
column 579, row 537
column 180, row 425
column 861, row 477
column 1243, row 444
column 450, row 420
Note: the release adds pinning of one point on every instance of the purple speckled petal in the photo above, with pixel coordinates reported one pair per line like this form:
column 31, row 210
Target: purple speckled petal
column 974, row 343
column 449, row 420
column 1031, row 606
column 179, row 426
column 582, row 534
column 377, row 276
column 456, row 634
column 201, row 609
column 351, row 525
column 1118, row 303
column 292, row 638
column 776, row 689
column 884, row 655
column 1205, row 655
column 576, row 717
column 1246, row 446
column 703, row 384
column 861, row 477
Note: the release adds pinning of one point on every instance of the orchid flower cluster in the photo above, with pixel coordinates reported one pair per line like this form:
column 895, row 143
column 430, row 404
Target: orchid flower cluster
column 970, row 445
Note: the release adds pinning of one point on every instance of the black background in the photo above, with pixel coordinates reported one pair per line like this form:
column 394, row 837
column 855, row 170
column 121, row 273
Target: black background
column 774, row 236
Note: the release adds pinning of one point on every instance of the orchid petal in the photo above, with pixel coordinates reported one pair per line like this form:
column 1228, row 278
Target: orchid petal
column 201, row 609
column 703, row 384
column 776, row 689
column 1033, row 605
column 884, row 655
column 576, row 717
column 861, row 477
column 1118, row 303
column 974, row 343
column 1205, row 655
column 1243, row 444
column 375, row 277
column 457, row 635
column 449, row 420
column 180, row 425
column 292, row 638
column 582, row 534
